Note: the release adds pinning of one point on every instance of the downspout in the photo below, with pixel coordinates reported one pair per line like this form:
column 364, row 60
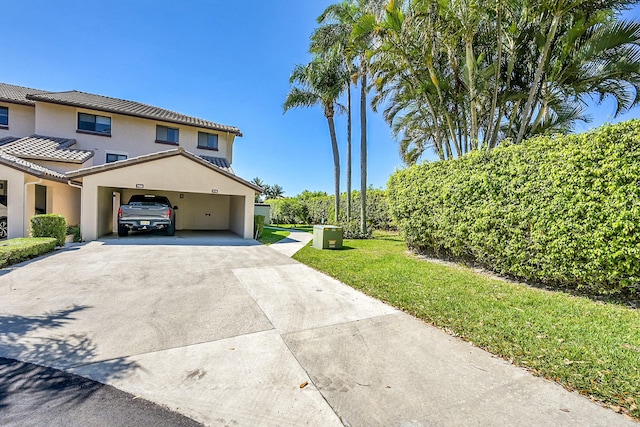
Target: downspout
column 25, row 225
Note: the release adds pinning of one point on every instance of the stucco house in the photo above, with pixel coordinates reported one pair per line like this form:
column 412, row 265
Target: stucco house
column 79, row 154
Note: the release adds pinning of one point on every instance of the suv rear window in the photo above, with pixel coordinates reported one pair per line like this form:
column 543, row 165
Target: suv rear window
column 140, row 199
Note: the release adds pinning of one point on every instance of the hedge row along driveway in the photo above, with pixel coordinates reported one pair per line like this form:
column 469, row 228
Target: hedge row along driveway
column 563, row 210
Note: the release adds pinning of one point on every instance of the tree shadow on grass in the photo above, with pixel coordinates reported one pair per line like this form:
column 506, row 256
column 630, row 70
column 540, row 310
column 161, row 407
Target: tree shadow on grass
column 19, row 340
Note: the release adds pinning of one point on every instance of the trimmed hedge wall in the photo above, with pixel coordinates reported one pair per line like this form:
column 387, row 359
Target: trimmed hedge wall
column 13, row 251
column 49, row 225
column 561, row 210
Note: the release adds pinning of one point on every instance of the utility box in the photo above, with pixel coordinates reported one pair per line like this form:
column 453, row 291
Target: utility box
column 327, row 237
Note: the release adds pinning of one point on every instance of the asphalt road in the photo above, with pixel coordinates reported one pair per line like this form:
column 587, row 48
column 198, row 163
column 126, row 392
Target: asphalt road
column 32, row 395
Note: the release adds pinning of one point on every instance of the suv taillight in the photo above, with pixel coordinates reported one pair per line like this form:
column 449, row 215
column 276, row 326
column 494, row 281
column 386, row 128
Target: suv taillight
column 169, row 213
column 120, row 212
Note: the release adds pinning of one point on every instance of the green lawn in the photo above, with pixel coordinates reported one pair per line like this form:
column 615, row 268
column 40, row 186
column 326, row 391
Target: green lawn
column 584, row 345
column 270, row 235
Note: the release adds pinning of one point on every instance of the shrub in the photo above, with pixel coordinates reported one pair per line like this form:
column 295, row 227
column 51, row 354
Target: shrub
column 351, row 230
column 49, row 225
column 562, row 210
column 287, row 211
column 13, row 251
column 258, row 226
column 74, row 230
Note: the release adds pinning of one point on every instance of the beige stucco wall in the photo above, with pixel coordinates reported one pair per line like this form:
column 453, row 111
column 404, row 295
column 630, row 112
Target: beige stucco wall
column 170, row 175
column 62, row 199
column 242, row 216
column 130, row 136
column 264, row 210
column 21, row 120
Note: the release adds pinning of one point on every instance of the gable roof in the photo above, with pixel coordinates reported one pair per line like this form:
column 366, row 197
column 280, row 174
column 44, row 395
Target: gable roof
column 156, row 156
column 129, row 108
column 38, row 147
column 30, row 168
column 17, row 94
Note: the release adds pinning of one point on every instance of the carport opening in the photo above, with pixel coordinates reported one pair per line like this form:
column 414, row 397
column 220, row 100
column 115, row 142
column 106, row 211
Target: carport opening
column 196, row 211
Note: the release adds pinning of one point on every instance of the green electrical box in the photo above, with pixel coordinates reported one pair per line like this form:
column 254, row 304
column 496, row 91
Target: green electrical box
column 327, row 237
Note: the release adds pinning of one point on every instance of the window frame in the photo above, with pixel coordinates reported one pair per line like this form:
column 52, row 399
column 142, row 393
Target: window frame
column 95, row 122
column 167, row 141
column 117, row 155
column 4, row 125
column 207, row 147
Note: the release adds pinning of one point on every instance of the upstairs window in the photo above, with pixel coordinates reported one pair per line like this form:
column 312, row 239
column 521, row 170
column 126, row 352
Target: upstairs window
column 115, row 157
column 208, row 141
column 94, row 124
column 166, row 135
column 4, row 116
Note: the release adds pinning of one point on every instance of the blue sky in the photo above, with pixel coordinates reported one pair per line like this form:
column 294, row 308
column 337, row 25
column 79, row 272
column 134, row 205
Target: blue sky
column 228, row 62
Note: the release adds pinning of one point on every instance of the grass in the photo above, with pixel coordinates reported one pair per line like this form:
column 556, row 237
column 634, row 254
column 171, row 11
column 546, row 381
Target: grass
column 587, row 346
column 271, row 235
column 300, row 227
column 13, row 251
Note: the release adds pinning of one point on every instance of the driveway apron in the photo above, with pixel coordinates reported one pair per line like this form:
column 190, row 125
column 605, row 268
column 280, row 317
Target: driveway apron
column 230, row 332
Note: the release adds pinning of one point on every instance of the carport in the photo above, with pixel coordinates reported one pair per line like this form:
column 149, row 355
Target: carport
column 208, row 197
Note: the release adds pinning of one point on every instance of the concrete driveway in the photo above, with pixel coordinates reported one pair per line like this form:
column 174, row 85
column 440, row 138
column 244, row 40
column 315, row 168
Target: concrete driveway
column 230, row 332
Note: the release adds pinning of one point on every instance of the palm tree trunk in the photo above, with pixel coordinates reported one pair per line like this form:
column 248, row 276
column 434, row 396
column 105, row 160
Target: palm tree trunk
column 363, row 149
column 528, row 108
column 349, row 152
column 336, row 166
column 488, row 137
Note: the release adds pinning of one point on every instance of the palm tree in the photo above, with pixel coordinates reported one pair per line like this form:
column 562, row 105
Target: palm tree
column 260, row 183
column 335, row 34
column 275, row 192
column 459, row 77
column 320, row 83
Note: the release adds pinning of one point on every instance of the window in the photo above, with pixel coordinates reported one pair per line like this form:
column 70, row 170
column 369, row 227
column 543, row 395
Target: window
column 94, row 124
column 115, row 157
column 166, row 135
column 4, row 116
column 208, row 141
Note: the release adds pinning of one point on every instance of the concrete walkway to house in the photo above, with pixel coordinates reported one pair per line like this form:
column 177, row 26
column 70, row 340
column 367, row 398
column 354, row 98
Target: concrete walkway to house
column 230, row 332
column 291, row 244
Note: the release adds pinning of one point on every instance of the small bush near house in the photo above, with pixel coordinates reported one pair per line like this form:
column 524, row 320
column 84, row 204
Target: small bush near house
column 258, row 226
column 351, row 230
column 74, row 230
column 561, row 210
column 17, row 250
column 49, row 225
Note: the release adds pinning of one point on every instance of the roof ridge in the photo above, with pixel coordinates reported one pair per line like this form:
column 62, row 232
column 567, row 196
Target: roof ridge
column 25, row 87
column 125, row 100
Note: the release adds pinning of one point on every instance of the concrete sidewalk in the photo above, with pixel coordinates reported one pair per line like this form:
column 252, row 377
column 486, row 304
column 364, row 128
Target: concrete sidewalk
column 239, row 334
column 291, row 244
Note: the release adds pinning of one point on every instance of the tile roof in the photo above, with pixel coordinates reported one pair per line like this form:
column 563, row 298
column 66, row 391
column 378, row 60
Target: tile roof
column 120, row 106
column 30, row 168
column 155, row 156
column 38, row 147
column 220, row 162
column 17, row 94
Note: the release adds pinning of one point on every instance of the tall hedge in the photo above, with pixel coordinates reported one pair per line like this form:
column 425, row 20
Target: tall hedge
column 563, row 210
